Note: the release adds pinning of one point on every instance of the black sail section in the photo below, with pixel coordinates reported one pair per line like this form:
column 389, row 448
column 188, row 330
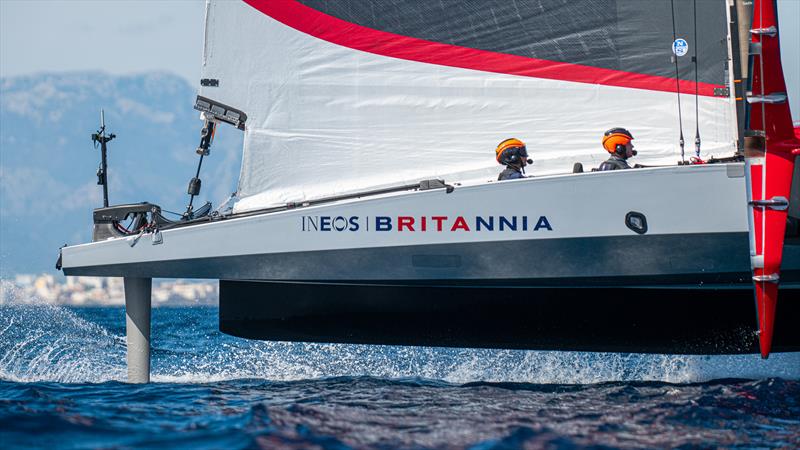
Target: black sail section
column 627, row 35
column 645, row 38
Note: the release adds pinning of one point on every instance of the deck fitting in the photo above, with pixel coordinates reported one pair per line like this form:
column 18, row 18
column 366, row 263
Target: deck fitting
column 771, row 278
column 775, row 203
column 771, row 31
column 776, row 98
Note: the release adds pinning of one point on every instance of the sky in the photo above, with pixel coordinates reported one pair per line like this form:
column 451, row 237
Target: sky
column 789, row 21
column 125, row 36
column 115, row 36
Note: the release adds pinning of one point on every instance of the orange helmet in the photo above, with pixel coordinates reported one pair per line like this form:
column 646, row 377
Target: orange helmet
column 510, row 151
column 616, row 137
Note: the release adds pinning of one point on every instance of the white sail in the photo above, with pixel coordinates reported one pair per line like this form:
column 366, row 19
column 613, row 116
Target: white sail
column 327, row 118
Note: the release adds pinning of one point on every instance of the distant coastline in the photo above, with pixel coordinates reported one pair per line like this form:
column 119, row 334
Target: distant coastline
column 101, row 291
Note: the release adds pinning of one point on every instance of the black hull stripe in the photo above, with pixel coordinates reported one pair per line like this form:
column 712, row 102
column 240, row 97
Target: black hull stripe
column 714, row 258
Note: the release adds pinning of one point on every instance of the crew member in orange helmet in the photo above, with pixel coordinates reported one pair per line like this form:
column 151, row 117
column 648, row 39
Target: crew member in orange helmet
column 512, row 154
column 617, row 141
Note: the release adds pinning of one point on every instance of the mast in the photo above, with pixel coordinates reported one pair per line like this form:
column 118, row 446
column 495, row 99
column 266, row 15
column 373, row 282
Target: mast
column 770, row 151
column 740, row 33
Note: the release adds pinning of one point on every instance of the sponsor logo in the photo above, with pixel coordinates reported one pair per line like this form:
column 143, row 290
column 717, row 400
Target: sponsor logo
column 680, row 47
column 424, row 224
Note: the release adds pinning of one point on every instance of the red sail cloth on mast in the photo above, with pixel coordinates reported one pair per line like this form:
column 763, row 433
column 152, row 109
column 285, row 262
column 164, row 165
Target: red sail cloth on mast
column 771, row 162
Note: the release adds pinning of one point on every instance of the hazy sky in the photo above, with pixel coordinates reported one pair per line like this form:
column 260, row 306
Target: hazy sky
column 116, row 36
column 124, row 36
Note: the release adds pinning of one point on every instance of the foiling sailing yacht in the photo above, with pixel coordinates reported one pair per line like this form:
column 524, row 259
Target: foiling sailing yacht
column 367, row 209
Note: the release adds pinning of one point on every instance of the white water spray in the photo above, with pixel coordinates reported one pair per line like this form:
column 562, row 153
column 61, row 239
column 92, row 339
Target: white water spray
column 41, row 342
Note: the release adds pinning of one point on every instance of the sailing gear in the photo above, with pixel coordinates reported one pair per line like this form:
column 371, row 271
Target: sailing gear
column 615, row 162
column 615, row 140
column 511, row 173
column 511, row 152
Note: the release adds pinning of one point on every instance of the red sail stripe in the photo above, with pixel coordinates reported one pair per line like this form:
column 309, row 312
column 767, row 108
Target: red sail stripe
column 347, row 34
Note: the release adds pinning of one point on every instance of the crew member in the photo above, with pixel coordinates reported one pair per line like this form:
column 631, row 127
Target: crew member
column 617, row 142
column 512, row 154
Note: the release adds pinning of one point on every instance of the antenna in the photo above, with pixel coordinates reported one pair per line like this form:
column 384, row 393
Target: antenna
column 101, row 138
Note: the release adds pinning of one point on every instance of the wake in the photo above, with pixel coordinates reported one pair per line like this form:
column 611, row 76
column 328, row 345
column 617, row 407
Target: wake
column 46, row 343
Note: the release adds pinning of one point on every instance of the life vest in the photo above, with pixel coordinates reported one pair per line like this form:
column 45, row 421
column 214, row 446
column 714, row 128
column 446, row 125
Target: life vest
column 614, row 163
column 510, row 173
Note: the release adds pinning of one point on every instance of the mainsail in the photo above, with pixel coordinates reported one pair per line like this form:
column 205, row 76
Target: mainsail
column 354, row 95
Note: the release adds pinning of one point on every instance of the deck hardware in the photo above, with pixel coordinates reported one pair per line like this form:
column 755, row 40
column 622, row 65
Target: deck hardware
column 221, row 112
column 775, row 203
column 769, row 31
column 771, row 278
column 133, row 240
column 636, row 221
column 775, row 98
column 60, row 259
column 157, row 237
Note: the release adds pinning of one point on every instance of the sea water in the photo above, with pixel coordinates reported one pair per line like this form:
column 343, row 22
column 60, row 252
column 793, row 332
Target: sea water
column 62, row 373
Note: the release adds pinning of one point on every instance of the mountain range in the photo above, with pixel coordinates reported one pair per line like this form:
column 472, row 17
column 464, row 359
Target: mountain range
column 48, row 164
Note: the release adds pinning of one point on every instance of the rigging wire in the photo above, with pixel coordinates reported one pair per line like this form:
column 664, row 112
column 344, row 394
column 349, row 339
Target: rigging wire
column 677, row 80
column 696, row 89
column 761, row 84
column 171, row 212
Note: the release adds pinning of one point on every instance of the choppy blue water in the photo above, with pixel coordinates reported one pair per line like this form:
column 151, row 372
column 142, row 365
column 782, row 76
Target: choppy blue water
column 61, row 371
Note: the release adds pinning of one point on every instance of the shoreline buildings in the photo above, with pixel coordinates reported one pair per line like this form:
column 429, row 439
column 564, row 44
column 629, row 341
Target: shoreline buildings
column 101, row 291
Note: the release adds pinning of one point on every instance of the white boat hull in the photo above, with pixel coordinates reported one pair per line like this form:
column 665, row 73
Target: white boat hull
column 534, row 230
column 571, row 275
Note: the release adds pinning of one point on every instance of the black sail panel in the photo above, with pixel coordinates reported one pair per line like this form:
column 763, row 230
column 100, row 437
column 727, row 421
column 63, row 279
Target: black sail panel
column 626, row 35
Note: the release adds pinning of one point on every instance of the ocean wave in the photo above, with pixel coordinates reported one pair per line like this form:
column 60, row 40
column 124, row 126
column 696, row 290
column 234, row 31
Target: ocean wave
column 41, row 342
